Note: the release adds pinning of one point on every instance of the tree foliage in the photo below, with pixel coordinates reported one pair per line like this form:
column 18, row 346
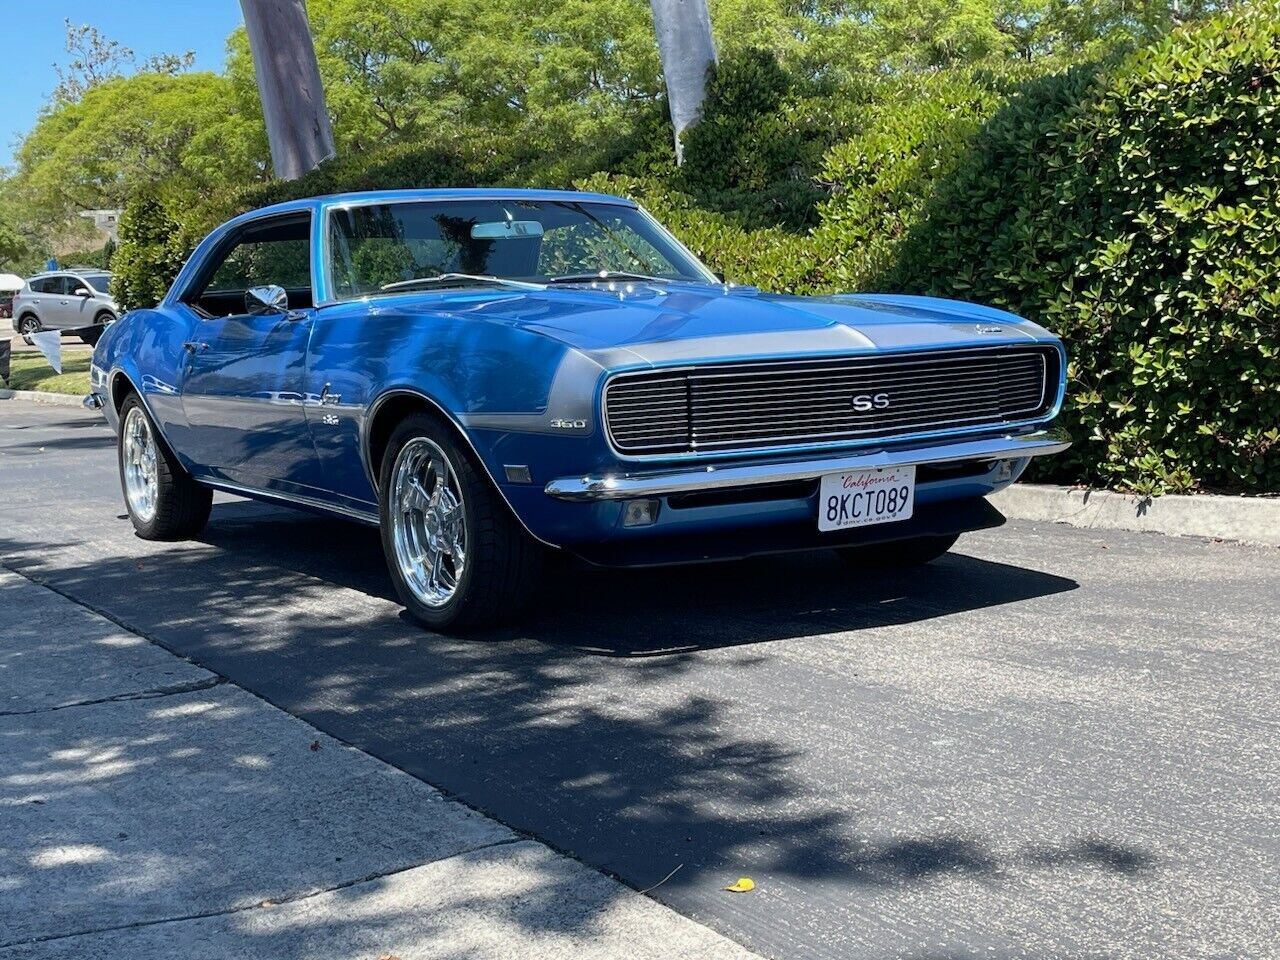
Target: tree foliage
column 1137, row 212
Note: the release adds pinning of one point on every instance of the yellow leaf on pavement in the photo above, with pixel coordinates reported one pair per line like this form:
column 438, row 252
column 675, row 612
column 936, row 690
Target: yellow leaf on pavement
column 743, row 885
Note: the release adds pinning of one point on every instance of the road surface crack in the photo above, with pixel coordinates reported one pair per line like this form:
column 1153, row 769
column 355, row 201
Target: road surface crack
column 150, row 694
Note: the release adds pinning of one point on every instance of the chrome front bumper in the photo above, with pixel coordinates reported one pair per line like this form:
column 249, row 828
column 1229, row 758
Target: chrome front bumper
column 625, row 486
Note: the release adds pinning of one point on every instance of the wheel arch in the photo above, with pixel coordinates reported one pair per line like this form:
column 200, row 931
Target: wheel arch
column 120, row 384
column 392, row 406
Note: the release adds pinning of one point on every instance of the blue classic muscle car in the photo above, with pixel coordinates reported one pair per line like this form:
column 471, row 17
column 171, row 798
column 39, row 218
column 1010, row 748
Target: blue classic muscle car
column 490, row 374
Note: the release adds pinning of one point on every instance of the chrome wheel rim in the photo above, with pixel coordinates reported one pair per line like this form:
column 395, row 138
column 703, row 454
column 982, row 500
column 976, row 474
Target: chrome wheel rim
column 141, row 487
column 428, row 522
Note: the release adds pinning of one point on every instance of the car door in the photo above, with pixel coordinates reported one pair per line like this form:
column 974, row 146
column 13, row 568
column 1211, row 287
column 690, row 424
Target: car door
column 47, row 296
column 79, row 308
column 242, row 379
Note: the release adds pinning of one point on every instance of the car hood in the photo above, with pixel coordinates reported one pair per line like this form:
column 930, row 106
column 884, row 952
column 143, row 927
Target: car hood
column 658, row 324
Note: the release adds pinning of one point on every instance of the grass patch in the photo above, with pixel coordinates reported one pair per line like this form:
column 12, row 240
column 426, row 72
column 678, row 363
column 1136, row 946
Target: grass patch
column 31, row 371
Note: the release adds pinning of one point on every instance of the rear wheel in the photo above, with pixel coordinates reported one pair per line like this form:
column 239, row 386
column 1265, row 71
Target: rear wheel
column 163, row 501
column 456, row 555
column 898, row 554
column 91, row 335
column 27, row 326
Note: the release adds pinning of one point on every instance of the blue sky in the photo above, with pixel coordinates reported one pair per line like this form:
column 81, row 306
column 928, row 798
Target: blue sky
column 34, row 38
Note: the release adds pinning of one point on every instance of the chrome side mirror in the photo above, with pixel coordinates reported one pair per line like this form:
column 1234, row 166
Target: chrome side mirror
column 259, row 301
column 81, row 292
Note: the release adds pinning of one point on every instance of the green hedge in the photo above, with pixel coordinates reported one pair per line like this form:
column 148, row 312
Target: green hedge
column 157, row 232
column 1137, row 213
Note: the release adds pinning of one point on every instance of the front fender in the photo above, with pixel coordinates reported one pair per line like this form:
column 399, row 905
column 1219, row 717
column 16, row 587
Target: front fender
column 142, row 351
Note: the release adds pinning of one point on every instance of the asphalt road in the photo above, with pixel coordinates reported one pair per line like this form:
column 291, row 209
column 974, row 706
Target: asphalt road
column 1052, row 743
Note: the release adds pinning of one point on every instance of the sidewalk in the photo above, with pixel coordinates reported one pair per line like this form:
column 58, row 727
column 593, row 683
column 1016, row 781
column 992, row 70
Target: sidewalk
column 153, row 810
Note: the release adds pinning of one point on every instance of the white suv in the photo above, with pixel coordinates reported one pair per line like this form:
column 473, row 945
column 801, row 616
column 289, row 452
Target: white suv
column 66, row 300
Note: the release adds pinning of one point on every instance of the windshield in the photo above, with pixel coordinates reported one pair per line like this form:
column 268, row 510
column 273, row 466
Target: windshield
column 384, row 248
column 99, row 281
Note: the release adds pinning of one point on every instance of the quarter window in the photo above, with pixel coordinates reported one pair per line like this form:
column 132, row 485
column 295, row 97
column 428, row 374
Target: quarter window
column 275, row 252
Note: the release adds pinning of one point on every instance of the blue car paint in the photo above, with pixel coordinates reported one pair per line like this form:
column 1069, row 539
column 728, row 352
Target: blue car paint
column 248, row 411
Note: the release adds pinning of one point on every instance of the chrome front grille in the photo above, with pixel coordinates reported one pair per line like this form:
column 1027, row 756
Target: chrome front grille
column 739, row 406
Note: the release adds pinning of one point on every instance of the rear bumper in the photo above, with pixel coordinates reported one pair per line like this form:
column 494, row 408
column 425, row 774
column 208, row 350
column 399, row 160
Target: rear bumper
column 625, row 485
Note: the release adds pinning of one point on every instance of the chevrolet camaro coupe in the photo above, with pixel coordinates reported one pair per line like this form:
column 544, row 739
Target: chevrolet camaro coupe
column 490, row 375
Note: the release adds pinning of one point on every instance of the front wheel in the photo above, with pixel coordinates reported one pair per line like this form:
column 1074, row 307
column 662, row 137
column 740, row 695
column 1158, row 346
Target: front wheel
column 163, row 501
column 898, row 554
column 457, row 556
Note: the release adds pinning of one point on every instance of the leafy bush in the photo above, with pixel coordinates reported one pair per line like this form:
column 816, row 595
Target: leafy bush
column 155, row 239
column 1138, row 214
column 881, row 178
column 399, row 167
column 760, row 143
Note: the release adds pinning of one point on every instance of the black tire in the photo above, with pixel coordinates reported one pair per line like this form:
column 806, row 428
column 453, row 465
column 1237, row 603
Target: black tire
column 898, row 554
column 502, row 562
column 181, row 505
column 27, row 325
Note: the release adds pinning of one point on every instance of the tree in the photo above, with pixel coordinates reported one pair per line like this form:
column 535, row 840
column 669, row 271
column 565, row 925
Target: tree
column 13, row 246
column 288, row 76
column 538, row 75
column 129, row 131
column 96, row 59
column 688, row 55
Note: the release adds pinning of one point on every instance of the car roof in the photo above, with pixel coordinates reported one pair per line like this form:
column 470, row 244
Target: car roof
column 445, row 193
column 71, row 271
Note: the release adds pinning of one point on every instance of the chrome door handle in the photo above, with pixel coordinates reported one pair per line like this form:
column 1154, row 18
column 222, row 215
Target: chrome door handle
column 194, row 346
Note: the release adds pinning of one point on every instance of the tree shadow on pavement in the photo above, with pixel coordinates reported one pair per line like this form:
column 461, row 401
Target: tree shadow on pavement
column 571, row 727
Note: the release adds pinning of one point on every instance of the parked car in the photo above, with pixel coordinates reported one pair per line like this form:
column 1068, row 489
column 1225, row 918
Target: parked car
column 77, row 300
column 486, row 375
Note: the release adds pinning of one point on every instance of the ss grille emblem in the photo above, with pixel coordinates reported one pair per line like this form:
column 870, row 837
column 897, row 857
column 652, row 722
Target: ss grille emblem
column 870, row 401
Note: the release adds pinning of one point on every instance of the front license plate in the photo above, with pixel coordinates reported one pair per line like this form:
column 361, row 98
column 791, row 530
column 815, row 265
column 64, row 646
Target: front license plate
column 860, row 498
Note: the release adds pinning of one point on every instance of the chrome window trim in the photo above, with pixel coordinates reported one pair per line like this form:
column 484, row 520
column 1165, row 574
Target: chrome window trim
column 322, row 268
column 838, row 444
column 178, row 296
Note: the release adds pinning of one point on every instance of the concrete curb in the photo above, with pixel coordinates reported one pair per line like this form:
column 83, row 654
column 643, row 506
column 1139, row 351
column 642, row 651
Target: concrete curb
column 39, row 396
column 1244, row 519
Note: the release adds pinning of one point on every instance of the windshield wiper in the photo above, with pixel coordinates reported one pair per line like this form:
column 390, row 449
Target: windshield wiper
column 443, row 278
column 606, row 275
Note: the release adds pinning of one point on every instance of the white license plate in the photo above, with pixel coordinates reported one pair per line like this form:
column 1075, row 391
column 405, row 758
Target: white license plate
column 860, row 498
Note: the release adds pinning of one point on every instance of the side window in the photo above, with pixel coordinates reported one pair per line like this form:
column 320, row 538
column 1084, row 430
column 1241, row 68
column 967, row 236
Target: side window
column 284, row 263
column 275, row 252
column 45, row 285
